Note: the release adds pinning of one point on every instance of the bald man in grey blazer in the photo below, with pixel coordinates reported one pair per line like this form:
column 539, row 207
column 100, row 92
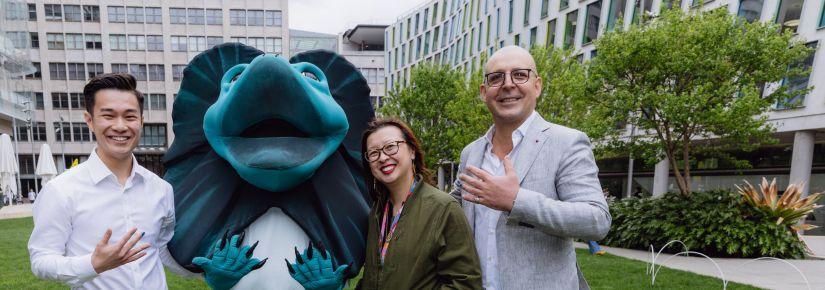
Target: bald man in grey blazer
column 528, row 187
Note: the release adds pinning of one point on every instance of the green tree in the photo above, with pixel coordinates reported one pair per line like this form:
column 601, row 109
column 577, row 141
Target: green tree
column 683, row 78
column 564, row 98
column 423, row 105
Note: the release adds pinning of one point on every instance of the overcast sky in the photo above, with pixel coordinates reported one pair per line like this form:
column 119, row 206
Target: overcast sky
column 335, row 16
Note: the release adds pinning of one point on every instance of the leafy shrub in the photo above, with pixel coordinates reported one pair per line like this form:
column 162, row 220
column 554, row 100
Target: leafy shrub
column 716, row 223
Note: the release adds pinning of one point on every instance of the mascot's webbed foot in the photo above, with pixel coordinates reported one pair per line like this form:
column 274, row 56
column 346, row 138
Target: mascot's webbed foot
column 227, row 263
column 314, row 269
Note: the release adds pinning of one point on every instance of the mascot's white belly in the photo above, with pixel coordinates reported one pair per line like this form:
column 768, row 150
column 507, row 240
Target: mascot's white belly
column 278, row 235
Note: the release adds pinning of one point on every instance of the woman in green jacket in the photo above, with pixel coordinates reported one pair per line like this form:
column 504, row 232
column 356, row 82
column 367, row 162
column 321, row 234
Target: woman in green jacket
column 418, row 236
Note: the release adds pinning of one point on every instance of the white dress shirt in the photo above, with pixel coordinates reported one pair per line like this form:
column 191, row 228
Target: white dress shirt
column 73, row 212
column 486, row 219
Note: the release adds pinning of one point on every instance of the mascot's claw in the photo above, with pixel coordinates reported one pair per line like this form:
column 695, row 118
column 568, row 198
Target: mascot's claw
column 226, row 263
column 315, row 271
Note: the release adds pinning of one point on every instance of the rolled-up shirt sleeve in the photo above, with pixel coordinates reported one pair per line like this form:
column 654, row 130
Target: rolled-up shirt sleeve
column 47, row 244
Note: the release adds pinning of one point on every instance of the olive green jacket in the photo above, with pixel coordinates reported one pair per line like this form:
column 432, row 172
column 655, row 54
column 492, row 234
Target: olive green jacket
column 432, row 247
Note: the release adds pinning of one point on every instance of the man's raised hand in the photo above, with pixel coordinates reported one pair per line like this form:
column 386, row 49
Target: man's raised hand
column 109, row 256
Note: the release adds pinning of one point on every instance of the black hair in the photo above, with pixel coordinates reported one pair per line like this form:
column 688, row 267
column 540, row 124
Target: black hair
column 118, row 81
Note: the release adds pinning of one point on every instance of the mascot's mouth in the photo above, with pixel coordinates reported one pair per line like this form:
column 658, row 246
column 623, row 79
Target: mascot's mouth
column 275, row 122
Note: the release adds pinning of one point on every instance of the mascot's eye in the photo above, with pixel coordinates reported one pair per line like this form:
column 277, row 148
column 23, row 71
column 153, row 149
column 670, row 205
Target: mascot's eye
column 235, row 78
column 310, row 75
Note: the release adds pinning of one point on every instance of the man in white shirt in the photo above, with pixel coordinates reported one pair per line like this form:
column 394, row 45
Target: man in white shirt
column 105, row 223
column 31, row 195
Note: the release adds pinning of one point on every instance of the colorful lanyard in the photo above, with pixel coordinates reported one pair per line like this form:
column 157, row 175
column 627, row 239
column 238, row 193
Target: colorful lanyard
column 384, row 240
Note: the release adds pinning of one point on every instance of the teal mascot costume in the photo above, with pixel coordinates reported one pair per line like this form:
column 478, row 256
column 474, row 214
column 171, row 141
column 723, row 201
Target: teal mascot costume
column 267, row 152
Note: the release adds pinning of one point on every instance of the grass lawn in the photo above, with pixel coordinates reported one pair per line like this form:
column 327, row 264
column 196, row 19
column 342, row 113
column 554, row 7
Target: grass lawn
column 605, row 272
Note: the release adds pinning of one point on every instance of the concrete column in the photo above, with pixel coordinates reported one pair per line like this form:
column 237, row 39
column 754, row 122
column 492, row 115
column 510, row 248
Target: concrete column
column 803, row 155
column 661, row 177
column 441, row 176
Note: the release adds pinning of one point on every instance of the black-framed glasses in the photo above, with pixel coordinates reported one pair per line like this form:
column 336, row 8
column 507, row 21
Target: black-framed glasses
column 497, row 79
column 390, row 149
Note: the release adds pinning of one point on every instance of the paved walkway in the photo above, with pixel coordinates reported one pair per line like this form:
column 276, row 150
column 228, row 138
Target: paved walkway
column 16, row 211
column 763, row 273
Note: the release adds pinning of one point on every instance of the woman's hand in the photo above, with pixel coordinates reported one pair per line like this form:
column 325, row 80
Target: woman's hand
column 314, row 269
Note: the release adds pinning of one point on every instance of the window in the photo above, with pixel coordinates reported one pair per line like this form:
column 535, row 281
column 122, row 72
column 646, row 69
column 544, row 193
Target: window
column 544, row 7
column 195, row 15
column 214, row 17
column 154, row 42
column 197, row 43
column 38, row 100
column 798, row 83
column 153, row 135
column 177, row 15
column 156, row 72
column 427, row 43
column 517, row 39
column 57, row 70
column 117, row 14
column 91, row 13
column 138, row 70
column 117, row 42
column 94, row 69
column 822, row 18
column 274, row 45
column 570, row 28
column 54, row 40
column 510, row 17
column 77, row 71
column 550, row 39
column 157, row 102
column 274, row 18
column 60, row 100
column 34, row 40
column 137, row 42
column 21, row 133
column 211, row 41
column 93, row 41
column 32, row 12
column 255, row 18
column 120, row 68
column 788, row 14
column 533, row 33
column 71, row 13
column 19, row 39
column 179, row 43
column 54, row 12
column 563, row 4
column 39, row 129
column 526, row 12
column 80, row 132
column 37, row 74
column 436, row 34
column 591, row 23
column 177, row 71
column 63, row 131
column 76, row 101
column 152, row 162
column 616, row 13
column 670, row 4
column 74, row 41
column 154, row 15
column 256, row 42
column 647, row 10
column 134, row 15
column 237, row 17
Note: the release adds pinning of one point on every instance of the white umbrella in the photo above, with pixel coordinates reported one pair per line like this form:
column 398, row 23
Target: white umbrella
column 45, row 165
column 8, row 166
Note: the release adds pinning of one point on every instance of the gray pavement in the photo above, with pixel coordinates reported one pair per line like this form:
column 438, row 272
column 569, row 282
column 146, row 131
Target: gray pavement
column 769, row 274
column 16, row 211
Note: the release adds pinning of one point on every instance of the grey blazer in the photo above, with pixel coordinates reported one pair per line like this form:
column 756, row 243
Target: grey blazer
column 560, row 199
